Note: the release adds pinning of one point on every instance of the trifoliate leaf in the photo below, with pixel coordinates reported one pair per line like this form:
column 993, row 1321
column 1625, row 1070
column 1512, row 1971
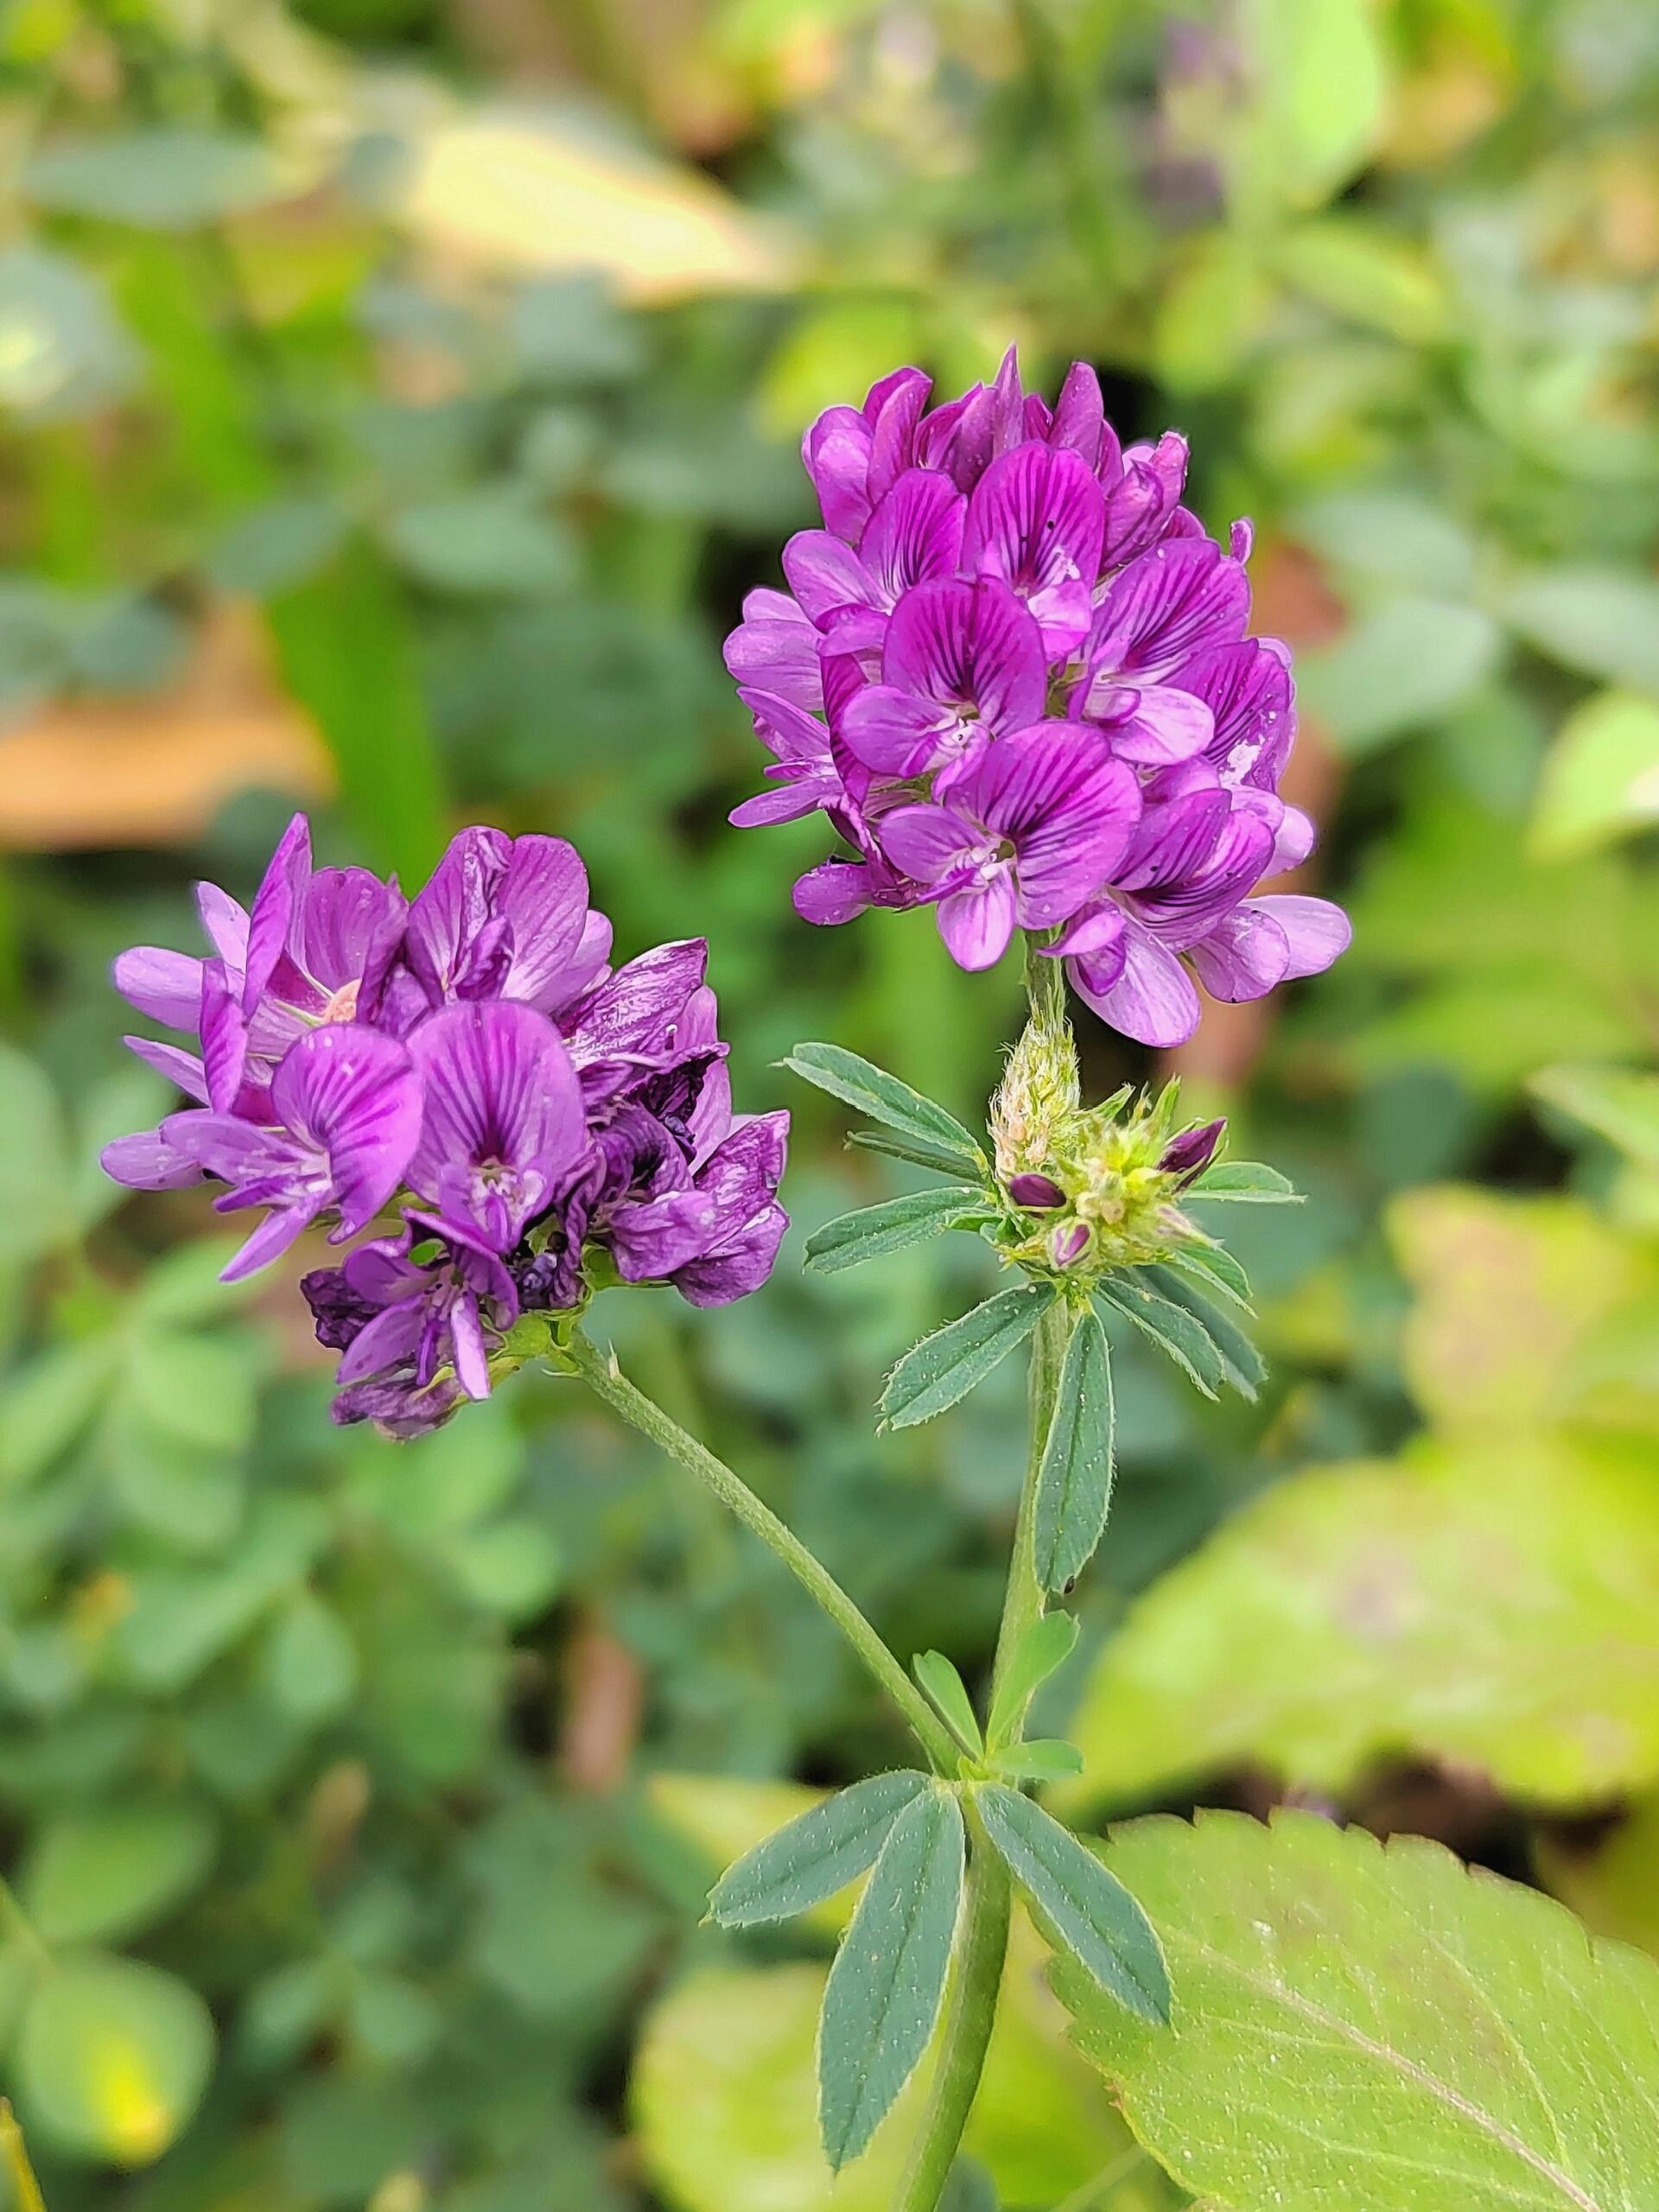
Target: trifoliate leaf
column 1044, row 1758
column 884, row 1098
column 1074, row 1482
column 887, row 1984
column 1083, row 1910
column 874, row 1231
column 818, row 1853
column 945, row 1366
column 1376, row 2026
column 916, row 1150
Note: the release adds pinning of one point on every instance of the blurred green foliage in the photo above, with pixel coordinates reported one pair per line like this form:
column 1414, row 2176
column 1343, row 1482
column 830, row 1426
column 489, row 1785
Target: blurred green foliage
column 396, row 397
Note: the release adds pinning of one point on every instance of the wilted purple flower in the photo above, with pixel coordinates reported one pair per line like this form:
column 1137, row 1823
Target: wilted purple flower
column 469, row 1061
column 987, row 566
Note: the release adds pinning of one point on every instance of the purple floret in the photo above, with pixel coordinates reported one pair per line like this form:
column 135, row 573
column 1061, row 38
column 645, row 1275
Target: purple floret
column 988, row 567
column 466, row 1069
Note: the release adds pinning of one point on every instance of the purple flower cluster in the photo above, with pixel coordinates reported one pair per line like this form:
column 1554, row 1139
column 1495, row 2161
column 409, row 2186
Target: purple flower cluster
column 1014, row 672
column 469, row 1058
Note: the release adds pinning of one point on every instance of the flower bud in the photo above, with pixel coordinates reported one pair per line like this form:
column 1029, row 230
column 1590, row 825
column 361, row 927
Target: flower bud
column 1039, row 1193
column 1069, row 1242
column 1192, row 1152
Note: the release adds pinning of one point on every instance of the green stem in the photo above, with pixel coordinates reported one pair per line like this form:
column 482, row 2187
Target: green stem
column 969, row 2016
column 600, row 1371
column 971, row 2013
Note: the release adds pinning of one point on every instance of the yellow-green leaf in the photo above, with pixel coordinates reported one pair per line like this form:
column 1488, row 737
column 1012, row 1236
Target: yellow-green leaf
column 1495, row 1604
column 112, row 2058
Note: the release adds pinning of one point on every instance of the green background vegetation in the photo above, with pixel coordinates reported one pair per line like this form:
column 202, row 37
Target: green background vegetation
column 395, row 398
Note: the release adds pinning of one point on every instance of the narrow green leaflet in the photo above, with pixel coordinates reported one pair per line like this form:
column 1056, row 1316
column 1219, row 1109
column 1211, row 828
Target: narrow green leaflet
column 917, row 1150
column 1244, row 1366
column 1246, row 1181
column 1074, row 1482
column 945, row 1366
column 1045, row 1758
column 884, row 1098
column 1380, row 2022
column 1171, row 1327
column 814, row 1856
column 1085, row 1912
column 1214, row 1264
column 874, row 1231
column 949, row 1692
column 1044, row 1648
column 886, row 1986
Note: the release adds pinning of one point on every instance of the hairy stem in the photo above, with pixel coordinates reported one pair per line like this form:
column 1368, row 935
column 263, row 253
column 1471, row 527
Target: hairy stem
column 971, row 2012
column 600, row 1371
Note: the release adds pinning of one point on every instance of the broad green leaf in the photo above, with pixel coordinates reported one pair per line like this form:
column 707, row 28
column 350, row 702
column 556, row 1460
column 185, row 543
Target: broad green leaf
column 1041, row 1651
column 492, row 538
column 887, row 1982
column 722, row 2101
column 1244, row 1365
column 916, row 1150
column 874, row 1231
column 816, row 1856
column 1377, row 2026
column 885, row 1099
column 112, row 1871
column 1600, row 778
column 934, row 1374
column 1407, row 662
column 48, row 1404
column 1244, row 1181
column 949, row 1692
column 1621, row 1104
column 1074, row 1482
column 1324, row 78
column 1171, row 1327
column 1044, row 1758
column 1605, row 622
column 162, row 180
column 1491, row 1604
column 1512, row 1297
column 112, row 2058
column 1085, row 1912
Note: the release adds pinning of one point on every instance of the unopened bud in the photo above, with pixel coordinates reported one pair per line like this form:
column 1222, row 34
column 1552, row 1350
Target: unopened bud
column 1037, row 1193
column 1192, row 1152
column 1069, row 1242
